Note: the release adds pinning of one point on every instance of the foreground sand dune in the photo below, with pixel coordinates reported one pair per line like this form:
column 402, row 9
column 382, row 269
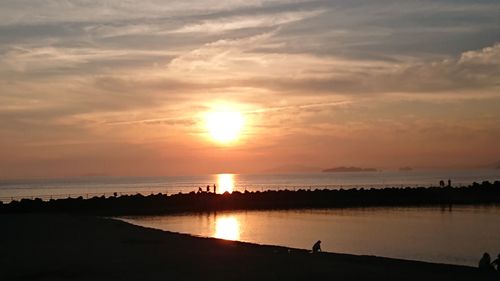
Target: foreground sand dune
column 59, row 247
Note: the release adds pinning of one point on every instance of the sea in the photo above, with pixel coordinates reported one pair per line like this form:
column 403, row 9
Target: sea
column 88, row 187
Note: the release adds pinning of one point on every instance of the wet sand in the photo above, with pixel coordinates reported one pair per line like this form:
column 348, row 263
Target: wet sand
column 61, row 247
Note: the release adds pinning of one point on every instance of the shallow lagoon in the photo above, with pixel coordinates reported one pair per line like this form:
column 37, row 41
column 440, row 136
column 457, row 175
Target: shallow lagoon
column 456, row 235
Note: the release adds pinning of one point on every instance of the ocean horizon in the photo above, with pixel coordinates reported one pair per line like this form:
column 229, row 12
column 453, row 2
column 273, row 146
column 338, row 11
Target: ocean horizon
column 90, row 186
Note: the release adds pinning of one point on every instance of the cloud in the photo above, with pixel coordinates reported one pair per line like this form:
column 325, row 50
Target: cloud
column 107, row 11
column 38, row 59
column 489, row 56
column 232, row 23
column 221, row 55
column 471, row 71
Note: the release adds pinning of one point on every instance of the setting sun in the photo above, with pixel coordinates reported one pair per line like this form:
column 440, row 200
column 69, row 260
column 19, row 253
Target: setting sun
column 224, row 126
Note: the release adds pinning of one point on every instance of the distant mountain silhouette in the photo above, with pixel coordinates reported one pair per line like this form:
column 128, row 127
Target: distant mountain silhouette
column 349, row 169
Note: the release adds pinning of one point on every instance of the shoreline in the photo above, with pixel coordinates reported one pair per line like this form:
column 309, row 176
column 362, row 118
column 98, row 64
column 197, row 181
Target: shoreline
column 66, row 247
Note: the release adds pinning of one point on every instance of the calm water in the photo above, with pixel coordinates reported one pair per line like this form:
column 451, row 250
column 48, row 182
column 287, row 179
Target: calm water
column 91, row 186
column 458, row 236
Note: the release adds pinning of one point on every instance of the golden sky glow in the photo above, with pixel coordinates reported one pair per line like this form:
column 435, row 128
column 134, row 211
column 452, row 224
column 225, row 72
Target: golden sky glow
column 194, row 87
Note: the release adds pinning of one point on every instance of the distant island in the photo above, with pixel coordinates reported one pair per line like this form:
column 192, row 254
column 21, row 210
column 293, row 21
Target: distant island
column 348, row 169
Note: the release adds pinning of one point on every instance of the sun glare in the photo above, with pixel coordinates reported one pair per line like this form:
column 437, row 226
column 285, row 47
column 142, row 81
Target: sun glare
column 227, row 227
column 225, row 183
column 224, row 126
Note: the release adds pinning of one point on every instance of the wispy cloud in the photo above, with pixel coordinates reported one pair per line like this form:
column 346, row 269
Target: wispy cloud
column 233, row 23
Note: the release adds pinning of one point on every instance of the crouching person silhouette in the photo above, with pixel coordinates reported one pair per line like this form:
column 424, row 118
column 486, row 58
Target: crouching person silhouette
column 317, row 247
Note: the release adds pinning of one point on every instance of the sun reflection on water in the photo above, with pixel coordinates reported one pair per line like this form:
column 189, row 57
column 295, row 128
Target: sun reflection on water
column 225, row 182
column 227, row 227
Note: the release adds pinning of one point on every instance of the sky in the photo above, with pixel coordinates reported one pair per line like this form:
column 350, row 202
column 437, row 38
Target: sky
column 121, row 87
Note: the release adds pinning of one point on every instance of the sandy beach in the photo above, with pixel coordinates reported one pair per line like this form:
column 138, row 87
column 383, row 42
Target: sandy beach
column 61, row 247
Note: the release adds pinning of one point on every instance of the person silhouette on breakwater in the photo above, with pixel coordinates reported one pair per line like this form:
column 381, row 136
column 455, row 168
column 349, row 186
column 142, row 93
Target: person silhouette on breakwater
column 199, row 189
column 496, row 263
column 208, row 188
column 441, row 183
column 449, row 183
column 485, row 262
column 317, row 247
column 215, row 188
